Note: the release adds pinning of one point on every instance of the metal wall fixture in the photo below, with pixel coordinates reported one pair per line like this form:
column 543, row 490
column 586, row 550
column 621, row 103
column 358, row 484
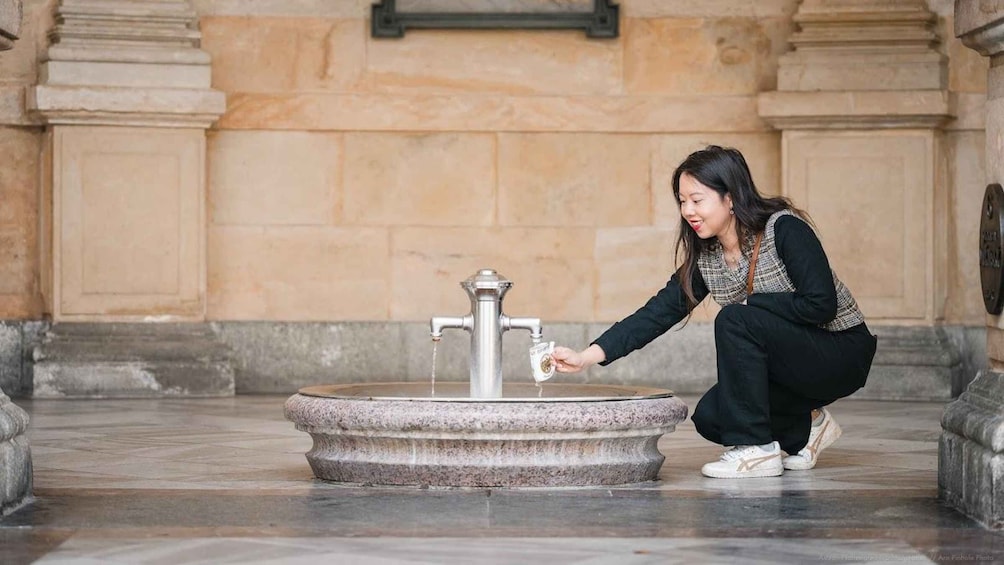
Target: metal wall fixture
column 602, row 22
column 992, row 249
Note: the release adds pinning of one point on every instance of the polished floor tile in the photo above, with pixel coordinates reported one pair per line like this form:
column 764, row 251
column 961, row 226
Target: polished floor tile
column 555, row 551
column 225, row 481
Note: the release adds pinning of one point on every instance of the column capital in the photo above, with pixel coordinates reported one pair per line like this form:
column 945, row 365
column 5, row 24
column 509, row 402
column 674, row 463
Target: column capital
column 861, row 64
column 980, row 26
column 863, row 45
column 125, row 62
column 10, row 23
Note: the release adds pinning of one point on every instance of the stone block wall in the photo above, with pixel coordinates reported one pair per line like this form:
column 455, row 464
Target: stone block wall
column 362, row 179
column 20, row 153
column 353, row 178
column 19, row 282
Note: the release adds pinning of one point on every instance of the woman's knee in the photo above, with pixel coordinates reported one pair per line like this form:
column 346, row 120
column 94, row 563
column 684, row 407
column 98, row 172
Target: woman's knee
column 734, row 321
column 731, row 315
column 705, row 416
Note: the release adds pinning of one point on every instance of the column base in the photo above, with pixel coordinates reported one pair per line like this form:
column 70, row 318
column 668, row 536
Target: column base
column 131, row 361
column 15, row 456
column 971, row 451
column 913, row 363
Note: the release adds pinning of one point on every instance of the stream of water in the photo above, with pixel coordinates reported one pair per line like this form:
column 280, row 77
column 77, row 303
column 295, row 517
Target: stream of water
column 435, row 344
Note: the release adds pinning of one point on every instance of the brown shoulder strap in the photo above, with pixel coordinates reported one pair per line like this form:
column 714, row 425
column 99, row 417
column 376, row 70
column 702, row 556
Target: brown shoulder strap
column 756, row 253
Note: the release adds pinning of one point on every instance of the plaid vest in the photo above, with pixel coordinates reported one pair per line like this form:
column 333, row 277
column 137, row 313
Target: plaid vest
column 728, row 286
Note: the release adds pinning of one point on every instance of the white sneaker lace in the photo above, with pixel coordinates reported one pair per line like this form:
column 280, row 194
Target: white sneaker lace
column 739, row 452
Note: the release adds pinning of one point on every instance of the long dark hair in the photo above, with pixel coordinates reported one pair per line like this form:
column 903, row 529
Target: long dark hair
column 724, row 170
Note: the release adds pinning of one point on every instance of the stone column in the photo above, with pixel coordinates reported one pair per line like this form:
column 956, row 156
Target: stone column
column 971, row 451
column 15, row 455
column 124, row 91
column 861, row 101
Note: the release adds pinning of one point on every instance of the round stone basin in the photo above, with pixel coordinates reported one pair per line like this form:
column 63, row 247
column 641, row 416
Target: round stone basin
column 460, row 392
column 558, row 435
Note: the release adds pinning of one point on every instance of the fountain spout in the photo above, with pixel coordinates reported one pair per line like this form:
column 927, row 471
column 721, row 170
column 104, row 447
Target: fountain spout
column 440, row 323
column 485, row 323
column 532, row 324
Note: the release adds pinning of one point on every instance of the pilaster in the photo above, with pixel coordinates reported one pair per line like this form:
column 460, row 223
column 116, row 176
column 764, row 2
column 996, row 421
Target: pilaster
column 861, row 101
column 125, row 92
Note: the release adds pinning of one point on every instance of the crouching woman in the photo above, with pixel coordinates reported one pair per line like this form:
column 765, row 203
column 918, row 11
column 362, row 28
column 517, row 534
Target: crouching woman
column 790, row 338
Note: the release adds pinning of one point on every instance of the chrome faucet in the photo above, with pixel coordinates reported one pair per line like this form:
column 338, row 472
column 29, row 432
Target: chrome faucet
column 485, row 323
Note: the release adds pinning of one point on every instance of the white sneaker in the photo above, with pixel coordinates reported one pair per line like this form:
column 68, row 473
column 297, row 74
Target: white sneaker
column 820, row 437
column 746, row 461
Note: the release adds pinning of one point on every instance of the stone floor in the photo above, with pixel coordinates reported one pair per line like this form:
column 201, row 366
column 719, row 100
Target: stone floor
column 225, row 481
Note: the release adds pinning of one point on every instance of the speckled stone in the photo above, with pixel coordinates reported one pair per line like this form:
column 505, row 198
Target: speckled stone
column 15, row 456
column 971, row 451
column 131, row 360
column 10, row 357
column 485, row 444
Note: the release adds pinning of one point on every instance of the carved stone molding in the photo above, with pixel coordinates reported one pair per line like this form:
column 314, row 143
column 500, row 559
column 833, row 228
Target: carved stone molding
column 980, row 26
column 863, row 45
column 861, row 64
column 10, row 23
column 126, row 62
column 971, row 451
column 15, row 456
column 914, row 109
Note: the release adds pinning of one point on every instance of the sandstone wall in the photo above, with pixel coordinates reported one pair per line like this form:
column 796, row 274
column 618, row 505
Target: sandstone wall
column 20, row 147
column 360, row 179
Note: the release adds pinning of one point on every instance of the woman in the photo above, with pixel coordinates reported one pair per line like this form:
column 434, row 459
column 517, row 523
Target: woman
column 786, row 349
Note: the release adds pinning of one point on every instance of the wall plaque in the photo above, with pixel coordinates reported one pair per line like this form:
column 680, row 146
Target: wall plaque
column 598, row 18
column 992, row 248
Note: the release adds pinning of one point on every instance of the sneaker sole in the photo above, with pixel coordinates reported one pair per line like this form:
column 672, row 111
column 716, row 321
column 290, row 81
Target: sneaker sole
column 830, row 435
column 754, row 474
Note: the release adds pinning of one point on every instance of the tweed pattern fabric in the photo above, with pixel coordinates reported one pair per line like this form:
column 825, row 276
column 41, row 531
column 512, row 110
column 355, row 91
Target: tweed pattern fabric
column 728, row 286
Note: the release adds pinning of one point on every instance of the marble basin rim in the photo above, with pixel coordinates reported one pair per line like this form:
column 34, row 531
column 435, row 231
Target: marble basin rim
column 571, row 435
column 452, row 391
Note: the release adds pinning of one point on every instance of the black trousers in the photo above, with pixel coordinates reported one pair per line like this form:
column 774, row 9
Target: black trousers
column 772, row 373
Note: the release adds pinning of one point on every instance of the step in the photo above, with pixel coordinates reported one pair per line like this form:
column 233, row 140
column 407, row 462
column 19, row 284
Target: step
column 119, row 360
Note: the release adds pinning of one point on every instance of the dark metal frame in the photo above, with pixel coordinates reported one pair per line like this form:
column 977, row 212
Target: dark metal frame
column 602, row 22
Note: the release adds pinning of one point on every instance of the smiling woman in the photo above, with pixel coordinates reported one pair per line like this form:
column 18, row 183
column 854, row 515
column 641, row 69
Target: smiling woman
column 709, row 213
column 790, row 338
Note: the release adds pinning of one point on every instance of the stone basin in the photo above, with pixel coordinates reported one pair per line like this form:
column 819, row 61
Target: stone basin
column 555, row 435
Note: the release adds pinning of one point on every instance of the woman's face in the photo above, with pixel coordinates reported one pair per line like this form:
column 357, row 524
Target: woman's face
column 703, row 208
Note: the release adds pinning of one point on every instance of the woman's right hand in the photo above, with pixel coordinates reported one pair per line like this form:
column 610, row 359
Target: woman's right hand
column 571, row 361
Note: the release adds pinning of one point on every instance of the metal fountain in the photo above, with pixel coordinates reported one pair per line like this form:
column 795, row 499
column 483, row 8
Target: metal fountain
column 484, row 434
column 485, row 323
